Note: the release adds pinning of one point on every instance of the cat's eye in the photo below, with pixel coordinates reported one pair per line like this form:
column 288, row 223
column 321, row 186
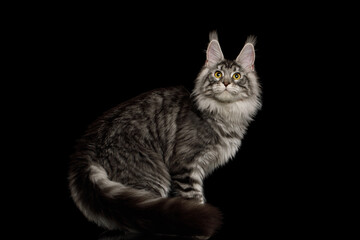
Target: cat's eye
column 236, row 76
column 218, row 74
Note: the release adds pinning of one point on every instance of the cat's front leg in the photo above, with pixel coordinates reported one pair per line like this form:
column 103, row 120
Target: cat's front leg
column 188, row 185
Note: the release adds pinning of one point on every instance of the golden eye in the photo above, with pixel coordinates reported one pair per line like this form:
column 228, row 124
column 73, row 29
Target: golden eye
column 236, row 76
column 218, row 74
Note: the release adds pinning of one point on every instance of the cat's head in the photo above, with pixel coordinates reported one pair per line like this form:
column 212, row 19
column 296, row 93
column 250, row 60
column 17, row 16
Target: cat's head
column 224, row 84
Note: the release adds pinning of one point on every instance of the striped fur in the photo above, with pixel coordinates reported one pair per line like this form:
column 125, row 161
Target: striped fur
column 140, row 167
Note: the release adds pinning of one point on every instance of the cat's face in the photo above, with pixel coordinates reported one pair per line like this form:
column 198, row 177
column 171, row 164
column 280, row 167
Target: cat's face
column 228, row 88
column 227, row 82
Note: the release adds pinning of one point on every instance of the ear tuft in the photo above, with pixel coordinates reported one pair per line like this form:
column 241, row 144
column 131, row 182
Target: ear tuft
column 251, row 39
column 213, row 36
column 246, row 58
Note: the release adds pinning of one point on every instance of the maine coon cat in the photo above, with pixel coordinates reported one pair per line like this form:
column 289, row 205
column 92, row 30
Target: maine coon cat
column 140, row 167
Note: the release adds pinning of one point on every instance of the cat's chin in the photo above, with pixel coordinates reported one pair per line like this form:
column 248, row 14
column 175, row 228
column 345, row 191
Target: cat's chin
column 226, row 97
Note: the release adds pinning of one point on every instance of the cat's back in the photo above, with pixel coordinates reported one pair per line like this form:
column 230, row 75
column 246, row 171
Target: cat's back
column 147, row 105
column 151, row 115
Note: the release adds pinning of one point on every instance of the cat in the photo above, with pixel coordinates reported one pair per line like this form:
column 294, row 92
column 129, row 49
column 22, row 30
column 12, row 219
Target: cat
column 140, row 167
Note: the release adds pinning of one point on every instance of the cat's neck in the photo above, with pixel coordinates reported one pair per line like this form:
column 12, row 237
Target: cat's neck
column 240, row 112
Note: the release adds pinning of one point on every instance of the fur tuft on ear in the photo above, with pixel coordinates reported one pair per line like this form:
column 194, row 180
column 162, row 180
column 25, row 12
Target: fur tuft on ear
column 251, row 39
column 214, row 54
column 246, row 58
column 213, row 36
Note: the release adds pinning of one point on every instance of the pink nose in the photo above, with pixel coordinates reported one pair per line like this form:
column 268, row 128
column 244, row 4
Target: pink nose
column 226, row 83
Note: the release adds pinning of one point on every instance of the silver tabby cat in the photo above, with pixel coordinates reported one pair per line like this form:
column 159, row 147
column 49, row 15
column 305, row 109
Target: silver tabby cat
column 140, row 167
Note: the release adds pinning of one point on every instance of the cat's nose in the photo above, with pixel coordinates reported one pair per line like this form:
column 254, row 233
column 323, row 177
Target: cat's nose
column 226, row 83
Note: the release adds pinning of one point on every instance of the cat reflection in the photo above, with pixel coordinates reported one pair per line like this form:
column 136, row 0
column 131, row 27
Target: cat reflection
column 116, row 235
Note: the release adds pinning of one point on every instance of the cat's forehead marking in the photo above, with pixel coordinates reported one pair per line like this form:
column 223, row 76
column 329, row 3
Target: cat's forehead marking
column 229, row 65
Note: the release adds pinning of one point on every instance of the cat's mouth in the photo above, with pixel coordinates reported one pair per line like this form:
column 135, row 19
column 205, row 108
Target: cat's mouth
column 230, row 94
column 225, row 96
column 226, row 90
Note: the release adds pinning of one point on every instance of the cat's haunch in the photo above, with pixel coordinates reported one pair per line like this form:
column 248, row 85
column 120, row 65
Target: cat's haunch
column 140, row 167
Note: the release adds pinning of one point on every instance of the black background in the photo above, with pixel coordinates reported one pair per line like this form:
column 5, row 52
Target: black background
column 79, row 61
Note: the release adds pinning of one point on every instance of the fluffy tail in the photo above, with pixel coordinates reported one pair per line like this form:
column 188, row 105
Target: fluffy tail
column 115, row 206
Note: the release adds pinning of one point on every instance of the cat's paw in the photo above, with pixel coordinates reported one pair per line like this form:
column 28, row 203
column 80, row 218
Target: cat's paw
column 200, row 200
column 197, row 197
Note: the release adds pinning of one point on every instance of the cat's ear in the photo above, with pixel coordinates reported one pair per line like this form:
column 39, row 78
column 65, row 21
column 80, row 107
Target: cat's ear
column 214, row 54
column 246, row 58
